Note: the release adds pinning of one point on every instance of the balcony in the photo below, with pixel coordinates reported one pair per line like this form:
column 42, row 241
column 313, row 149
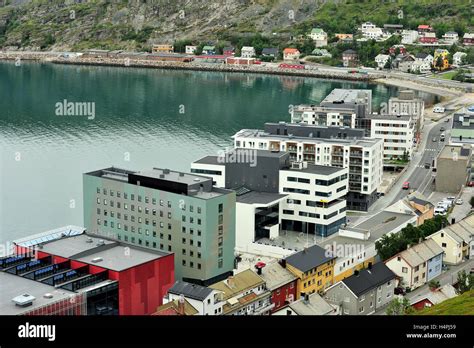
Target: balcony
column 309, row 150
column 292, row 149
column 338, row 153
column 356, row 154
column 355, row 163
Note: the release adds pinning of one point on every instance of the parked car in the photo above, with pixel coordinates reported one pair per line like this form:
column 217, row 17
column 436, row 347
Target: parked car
column 406, row 185
column 435, row 140
column 399, row 291
column 438, row 109
column 427, row 165
column 439, row 211
column 442, row 129
column 442, row 137
column 459, row 201
column 470, row 184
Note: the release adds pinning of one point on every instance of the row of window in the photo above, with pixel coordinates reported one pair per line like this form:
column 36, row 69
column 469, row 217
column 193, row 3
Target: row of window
column 146, row 200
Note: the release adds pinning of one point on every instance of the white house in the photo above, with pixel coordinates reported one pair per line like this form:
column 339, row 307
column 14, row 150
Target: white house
column 381, row 60
column 418, row 264
column 367, row 25
column 451, row 37
column 247, row 52
column 319, row 36
column 468, row 39
column 457, row 58
column 409, row 37
column 205, row 300
column 373, row 33
column 190, row 49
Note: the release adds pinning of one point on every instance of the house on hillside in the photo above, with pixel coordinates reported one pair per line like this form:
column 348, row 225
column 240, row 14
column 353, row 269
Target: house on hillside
column 381, row 60
column 350, row 58
column 319, row 36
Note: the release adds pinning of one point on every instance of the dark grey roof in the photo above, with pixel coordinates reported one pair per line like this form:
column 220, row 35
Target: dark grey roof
column 228, row 48
column 421, row 55
column 420, row 201
column 270, row 50
column 189, row 290
column 349, row 52
column 258, row 197
column 465, row 152
column 368, row 279
column 208, row 160
column 309, row 258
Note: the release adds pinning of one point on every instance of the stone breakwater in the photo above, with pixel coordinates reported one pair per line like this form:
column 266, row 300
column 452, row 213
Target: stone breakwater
column 154, row 64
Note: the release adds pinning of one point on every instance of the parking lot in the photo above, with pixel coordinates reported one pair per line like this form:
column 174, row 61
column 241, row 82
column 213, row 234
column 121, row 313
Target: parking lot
column 460, row 211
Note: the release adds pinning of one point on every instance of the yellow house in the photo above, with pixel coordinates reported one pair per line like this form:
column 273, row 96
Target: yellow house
column 444, row 54
column 314, row 268
column 165, row 48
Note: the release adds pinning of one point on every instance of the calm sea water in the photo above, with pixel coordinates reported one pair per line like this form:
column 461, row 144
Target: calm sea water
column 143, row 118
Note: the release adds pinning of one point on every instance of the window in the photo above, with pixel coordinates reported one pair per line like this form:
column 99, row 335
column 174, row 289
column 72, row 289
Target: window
column 220, row 263
column 404, row 270
column 221, row 208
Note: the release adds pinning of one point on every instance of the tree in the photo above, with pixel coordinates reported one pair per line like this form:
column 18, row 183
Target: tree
column 434, row 284
column 399, row 307
column 388, row 64
column 439, row 63
column 465, row 281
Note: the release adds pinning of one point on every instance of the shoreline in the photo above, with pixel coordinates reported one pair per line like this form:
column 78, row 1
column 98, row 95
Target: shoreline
column 445, row 92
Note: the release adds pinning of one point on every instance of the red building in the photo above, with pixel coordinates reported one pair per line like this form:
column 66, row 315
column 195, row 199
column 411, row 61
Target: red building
column 141, row 277
column 394, row 48
column 281, row 283
column 424, row 28
column 228, row 51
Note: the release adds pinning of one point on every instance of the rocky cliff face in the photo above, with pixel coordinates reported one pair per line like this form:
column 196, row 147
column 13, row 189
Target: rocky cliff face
column 136, row 24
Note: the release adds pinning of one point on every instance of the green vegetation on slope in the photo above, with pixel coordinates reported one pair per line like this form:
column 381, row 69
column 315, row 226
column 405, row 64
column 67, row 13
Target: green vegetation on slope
column 460, row 305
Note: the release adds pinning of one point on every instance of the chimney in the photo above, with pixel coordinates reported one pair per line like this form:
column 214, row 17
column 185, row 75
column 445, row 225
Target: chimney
column 259, row 270
column 181, row 305
column 306, row 298
column 230, row 282
column 288, row 312
column 356, row 273
column 283, row 263
column 370, row 265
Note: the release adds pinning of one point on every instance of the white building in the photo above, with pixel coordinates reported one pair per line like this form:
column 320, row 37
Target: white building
column 190, row 49
column 205, row 300
column 409, row 37
column 373, row 33
column 319, row 36
column 451, row 37
column 458, row 57
column 322, row 116
column 367, row 25
column 468, row 39
column 247, row 52
column 397, row 133
column 316, row 198
column 408, row 104
column 381, row 60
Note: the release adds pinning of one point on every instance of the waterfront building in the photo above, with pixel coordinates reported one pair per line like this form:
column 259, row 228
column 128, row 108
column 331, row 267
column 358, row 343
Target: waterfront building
column 247, row 52
column 270, row 52
column 169, row 211
column 313, row 144
column 190, row 49
column 350, row 58
column 381, row 60
column 163, row 48
column 104, row 276
column 291, row 54
column 407, row 104
column 323, row 116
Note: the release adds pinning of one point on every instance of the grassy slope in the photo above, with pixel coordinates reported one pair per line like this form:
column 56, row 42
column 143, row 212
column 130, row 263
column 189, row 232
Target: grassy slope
column 461, row 305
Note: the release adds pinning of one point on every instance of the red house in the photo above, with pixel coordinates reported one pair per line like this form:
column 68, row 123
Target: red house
column 135, row 278
column 428, row 39
column 424, row 28
column 228, row 51
column 435, row 297
column 393, row 49
column 281, row 283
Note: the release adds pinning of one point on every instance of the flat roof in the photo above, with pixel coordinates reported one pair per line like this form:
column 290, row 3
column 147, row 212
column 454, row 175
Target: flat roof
column 216, row 160
column 12, row 286
column 449, row 151
column 381, row 223
column 115, row 256
column 390, row 117
column 48, row 236
column 255, row 197
column 315, row 305
column 276, row 276
column 347, row 96
column 318, row 169
column 258, row 133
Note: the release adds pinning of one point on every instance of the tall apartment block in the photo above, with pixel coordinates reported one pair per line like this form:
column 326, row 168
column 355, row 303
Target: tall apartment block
column 323, row 116
column 274, row 194
column 166, row 210
column 327, row 146
column 406, row 104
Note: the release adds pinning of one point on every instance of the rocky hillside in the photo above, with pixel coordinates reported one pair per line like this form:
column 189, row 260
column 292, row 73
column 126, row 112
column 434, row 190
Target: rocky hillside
column 136, row 24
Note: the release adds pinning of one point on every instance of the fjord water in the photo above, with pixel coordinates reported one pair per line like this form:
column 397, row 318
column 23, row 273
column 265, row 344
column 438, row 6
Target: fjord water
column 143, row 118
